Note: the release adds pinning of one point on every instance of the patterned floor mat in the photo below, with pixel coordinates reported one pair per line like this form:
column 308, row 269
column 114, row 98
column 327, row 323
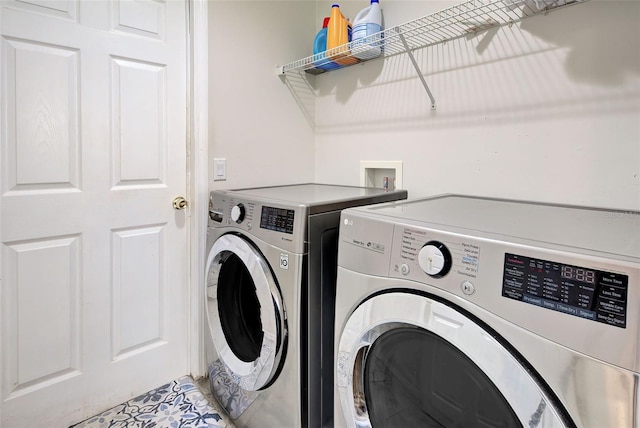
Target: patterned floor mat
column 179, row 404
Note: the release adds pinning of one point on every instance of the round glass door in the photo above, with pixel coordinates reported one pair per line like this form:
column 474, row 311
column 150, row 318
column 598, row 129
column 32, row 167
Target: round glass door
column 413, row 377
column 407, row 360
column 245, row 312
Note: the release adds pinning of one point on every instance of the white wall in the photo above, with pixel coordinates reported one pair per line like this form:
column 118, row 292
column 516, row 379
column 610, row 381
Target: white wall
column 254, row 121
column 546, row 110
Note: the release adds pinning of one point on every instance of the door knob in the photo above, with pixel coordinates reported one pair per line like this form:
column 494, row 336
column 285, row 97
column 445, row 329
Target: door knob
column 179, row 203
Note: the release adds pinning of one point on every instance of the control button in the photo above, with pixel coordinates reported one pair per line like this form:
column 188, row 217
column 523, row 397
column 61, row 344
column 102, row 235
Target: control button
column 435, row 259
column 237, row 213
column 468, row 288
column 249, row 226
column 404, row 269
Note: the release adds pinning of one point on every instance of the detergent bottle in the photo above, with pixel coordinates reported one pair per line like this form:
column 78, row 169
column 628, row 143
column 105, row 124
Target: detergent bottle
column 320, row 59
column 367, row 23
column 338, row 36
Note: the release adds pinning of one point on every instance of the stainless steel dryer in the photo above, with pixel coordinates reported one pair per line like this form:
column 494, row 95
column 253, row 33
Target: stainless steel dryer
column 459, row 311
column 270, row 289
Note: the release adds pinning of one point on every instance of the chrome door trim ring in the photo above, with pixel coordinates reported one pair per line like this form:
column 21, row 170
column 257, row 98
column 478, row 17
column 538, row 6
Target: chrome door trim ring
column 385, row 312
column 254, row 375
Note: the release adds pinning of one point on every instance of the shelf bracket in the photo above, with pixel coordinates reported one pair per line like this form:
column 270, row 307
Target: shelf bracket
column 415, row 65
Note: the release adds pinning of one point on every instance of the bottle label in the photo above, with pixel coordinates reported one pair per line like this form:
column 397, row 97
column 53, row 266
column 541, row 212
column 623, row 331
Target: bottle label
column 367, row 41
column 363, row 30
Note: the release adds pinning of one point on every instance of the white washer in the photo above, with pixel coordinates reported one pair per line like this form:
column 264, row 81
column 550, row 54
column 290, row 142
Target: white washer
column 270, row 287
column 465, row 311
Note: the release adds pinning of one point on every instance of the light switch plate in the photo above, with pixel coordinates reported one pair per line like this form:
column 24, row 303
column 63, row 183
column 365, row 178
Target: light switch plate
column 219, row 169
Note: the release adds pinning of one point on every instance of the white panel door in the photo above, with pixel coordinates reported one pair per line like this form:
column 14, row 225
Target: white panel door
column 94, row 291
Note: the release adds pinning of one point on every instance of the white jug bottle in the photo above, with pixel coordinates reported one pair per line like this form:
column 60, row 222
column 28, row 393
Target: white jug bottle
column 367, row 23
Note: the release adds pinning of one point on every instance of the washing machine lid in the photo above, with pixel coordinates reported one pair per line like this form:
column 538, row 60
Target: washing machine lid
column 614, row 232
column 245, row 312
column 390, row 330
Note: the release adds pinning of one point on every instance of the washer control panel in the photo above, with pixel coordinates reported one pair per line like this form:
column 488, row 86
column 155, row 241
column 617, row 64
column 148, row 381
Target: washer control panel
column 275, row 223
column 584, row 292
column 435, row 254
column 277, row 219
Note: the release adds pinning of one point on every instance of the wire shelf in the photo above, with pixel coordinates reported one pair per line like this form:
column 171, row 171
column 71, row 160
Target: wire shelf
column 466, row 18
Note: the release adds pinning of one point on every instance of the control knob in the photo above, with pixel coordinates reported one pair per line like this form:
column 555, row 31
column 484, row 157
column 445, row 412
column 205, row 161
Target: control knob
column 435, row 259
column 237, row 213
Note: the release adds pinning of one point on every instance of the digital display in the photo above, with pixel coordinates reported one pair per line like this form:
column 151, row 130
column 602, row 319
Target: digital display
column 278, row 219
column 587, row 293
column 579, row 274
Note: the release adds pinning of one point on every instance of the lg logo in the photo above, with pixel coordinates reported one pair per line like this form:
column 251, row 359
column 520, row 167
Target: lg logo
column 348, row 222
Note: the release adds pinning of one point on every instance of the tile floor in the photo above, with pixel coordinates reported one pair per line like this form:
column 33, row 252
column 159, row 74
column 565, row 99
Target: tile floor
column 183, row 403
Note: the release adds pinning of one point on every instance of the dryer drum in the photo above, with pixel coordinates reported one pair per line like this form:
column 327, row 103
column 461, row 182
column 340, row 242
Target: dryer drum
column 413, row 377
column 239, row 309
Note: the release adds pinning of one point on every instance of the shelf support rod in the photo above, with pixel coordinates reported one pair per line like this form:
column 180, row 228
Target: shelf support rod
column 415, row 65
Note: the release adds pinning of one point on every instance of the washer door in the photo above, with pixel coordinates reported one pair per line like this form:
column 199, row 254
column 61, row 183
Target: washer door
column 245, row 313
column 407, row 360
